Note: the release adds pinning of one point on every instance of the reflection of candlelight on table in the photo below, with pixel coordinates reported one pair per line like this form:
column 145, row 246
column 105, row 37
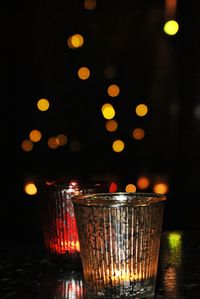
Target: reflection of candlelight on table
column 67, row 286
column 172, row 257
column 170, row 279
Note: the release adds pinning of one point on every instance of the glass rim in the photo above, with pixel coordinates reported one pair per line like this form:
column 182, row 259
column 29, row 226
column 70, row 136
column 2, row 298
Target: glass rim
column 114, row 199
column 59, row 185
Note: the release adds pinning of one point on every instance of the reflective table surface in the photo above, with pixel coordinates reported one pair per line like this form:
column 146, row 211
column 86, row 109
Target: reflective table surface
column 26, row 271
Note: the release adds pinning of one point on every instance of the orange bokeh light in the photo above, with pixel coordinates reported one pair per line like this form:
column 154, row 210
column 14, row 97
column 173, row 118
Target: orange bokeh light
column 111, row 125
column 143, row 182
column 30, row 189
column 27, row 145
column 138, row 133
column 52, row 142
column 118, row 146
column 35, row 135
column 43, row 104
column 130, row 188
column 141, row 110
column 161, row 188
column 113, row 90
column 84, row 73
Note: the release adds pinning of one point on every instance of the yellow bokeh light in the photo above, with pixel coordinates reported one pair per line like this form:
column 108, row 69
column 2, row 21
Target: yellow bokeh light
column 130, row 188
column 43, row 104
column 35, row 135
column 111, row 125
column 113, row 90
column 138, row 133
column 83, row 73
column 27, row 145
column 141, row 110
column 161, row 188
column 30, row 189
column 90, row 4
column 52, row 142
column 171, row 27
column 143, row 182
column 62, row 139
column 108, row 111
column 77, row 40
column 118, row 146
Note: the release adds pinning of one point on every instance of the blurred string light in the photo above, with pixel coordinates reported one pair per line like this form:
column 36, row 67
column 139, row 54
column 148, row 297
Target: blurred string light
column 118, row 146
column 143, row 182
column 161, row 188
column 108, row 111
column 90, row 4
column 35, row 135
column 43, row 104
column 84, row 73
column 171, row 27
column 113, row 90
column 110, row 72
column 141, row 110
column 75, row 41
column 30, row 188
column 27, row 145
column 130, row 188
column 138, row 133
column 111, row 125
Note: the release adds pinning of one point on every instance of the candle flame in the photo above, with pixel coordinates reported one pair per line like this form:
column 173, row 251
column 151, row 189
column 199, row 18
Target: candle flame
column 125, row 276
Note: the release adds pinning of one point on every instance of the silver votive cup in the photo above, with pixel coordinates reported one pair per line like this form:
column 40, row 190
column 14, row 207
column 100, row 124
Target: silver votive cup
column 119, row 237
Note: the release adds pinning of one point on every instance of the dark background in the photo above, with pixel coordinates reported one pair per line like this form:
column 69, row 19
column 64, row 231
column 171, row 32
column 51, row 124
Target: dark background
column 151, row 67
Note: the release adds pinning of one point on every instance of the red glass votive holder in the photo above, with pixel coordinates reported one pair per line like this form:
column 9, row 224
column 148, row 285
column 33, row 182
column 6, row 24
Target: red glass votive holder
column 58, row 219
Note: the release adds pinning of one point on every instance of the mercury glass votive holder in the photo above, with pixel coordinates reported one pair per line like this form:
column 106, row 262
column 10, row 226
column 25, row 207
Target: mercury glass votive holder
column 119, row 237
column 58, row 221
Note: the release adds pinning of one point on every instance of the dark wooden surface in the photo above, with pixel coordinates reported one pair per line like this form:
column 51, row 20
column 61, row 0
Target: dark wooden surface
column 26, row 272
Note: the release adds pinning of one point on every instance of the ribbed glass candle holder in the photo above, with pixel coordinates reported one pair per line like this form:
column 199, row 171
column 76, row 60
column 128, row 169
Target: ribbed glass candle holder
column 119, row 237
column 57, row 216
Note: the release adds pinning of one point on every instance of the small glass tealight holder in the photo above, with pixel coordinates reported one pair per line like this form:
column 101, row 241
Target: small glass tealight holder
column 119, row 237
